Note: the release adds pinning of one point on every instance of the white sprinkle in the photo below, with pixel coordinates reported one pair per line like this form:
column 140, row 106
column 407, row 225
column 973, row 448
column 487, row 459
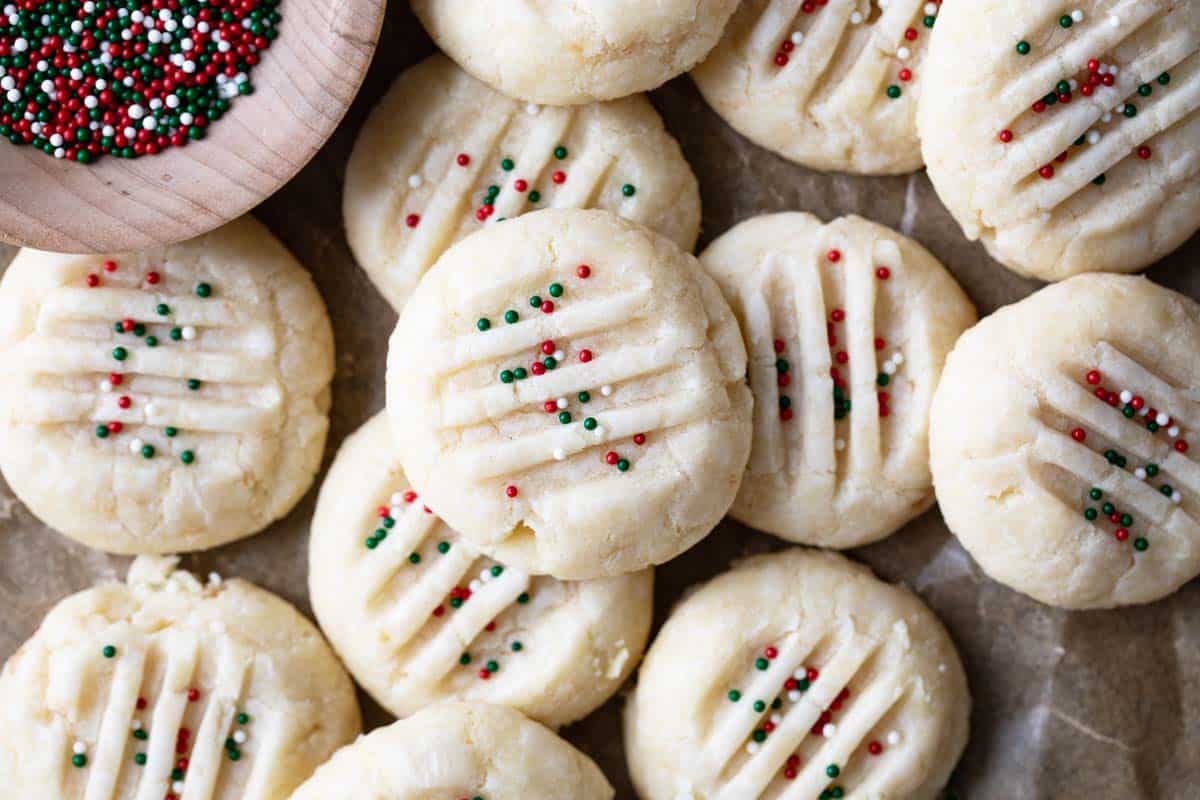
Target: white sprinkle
column 606, row 390
column 941, row 667
column 177, row 787
column 893, row 737
column 903, row 53
column 752, row 748
column 485, row 575
column 1162, row 419
column 776, row 718
column 189, row 333
column 532, row 109
column 136, row 111
column 559, row 355
column 829, row 731
column 599, row 430
column 840, row 444
column 856, row 18
column 797, row 37
column 1115, row 21
column 561, row 402
column 475, row 586
column 135, row 445
column 1093, row 137
column 151, row 409
column 559, row 454
column 1140, row 474
column 1145, row 410
column 1077, row 15
column 106, row 385
column 931, row 9
column 80, row 748
column 889, row 368
column 794, row 696
column 136, row 725
column 1106, row 118
column 239, row 736
column 414, row 181
column 396, row 499
column 149, row 123
column 1176, row 497
column 13, row 95
column 215, row 580
column 1044, row 217
column 1173, row 431
column 1113, row 69
column 800, row 674
column 1126, row 396
column 1074, row 84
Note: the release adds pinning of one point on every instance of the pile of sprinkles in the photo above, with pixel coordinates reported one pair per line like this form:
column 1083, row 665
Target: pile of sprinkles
column 548, row 356
column 793, row 689
column 388, row 514
column 145, row 332
column 1099, row 75
column 1133, row 407
column 129, row 78
column 519, row 184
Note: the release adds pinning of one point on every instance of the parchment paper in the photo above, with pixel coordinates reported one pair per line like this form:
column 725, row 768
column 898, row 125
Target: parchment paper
column 1066, row 704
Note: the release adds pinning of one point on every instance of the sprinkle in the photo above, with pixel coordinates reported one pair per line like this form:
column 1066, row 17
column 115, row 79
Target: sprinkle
column 414, row 181
column 606, row 390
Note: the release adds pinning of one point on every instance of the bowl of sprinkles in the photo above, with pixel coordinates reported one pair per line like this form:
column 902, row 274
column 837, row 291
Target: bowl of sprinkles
column 133, row 123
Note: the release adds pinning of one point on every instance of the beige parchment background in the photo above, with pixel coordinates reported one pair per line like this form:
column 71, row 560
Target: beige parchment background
column 1066, row 704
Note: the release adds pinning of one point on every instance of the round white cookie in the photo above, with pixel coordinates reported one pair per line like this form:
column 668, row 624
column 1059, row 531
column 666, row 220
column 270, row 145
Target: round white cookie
column 1065, row 136
column 442, row 156
column 164, row 687
column 1060, row 442
column 420, row 617
column 566, row 391
column 831, row 84
column 459, row 750
column 846, row 326
column 167, row 400
column 797, row 675
column 571, row 53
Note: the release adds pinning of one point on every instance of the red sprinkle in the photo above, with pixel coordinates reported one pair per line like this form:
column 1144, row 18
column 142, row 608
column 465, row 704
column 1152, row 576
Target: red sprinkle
column 585, row 356
column 193, row 695
column 905, row 75
column 115, row 427
column 639, row 439
column 874, row 748
column 550, row 406
column 110, row 266
column 883, row 273
column 463, row 159
column 1078, row 434
column 1143, row 152
column 409, row 496
column 1181, row 446
column 547, row 307
column 152, row 278
column 548, row 347
column 412, row 220
column 611, row 457
column 834, row 256
column 1121, row 533
column 510, row 490
column 1046, row 172
column 583, row 271
column 1093, row 377
column 93, row 279
column 124, row 401
column 559, row 177
column 520, row 185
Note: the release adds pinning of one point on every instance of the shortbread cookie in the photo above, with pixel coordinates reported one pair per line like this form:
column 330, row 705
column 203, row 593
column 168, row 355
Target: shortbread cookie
column 832, row 85
column 167, row 400
column 420, row 617
column 797, row 675
column 566, row 391
column 1065, row 135
column 570, row 53
column 455, row 750
column 163, row 687
column 443, row 156
column 846, row 326
column 1060, row 442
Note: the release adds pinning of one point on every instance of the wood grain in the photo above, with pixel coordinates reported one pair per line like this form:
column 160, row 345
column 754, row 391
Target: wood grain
column 303, row 86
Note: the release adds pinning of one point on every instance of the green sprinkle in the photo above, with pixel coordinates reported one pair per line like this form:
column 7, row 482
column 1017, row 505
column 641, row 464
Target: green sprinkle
column 243, row 718
column 1128, row 412
column 203, row 290
column 109, row 651
column 883, row 379
column 1095, row 493
column 1166, row 489
column 761, row 664
column 928, row 21
column 1152, row 426
column 414, row 558
column 893, row 91
column 535, row 196
column 520, row 373
column 147, row 451
column 102, row 431
column 176, row 334
column 623, row 464
column 1164, row 79
column 629, row 190
column 549, row 362
column 1066, row 21
column 140, row 759
column 833, row 771
column 803, row 684
column 517, row 647
column 139, row 329
column 120, row 353
column 1126, row 520
column 1023, row 47
column 785, row 401
column 170, row 432
column 584, row 397
column 1145, row 90
column 1130, row 110
column 1090, row 514
column 1099, row 180
column 162, row 309
column 734, row 695
column 506, row 376
column 497, row 571
column 141, row 735
column 79, row 759
column 464, row 659
column 1152, row 470
column 187, row 456
column 507, row 164
column 556, row 290
column 836, row 792
column 590, row 424
column 560, row 152
column 483, row 323
column 372, row 543
column 760, row 706
column 1063, row 87
column 1140, row 544
column 535, row 301
column 193, row 384
column 511, row 316
column 523, row 598
column 564, row 417
column 443, row 547
column 233, row 754
column 1108, row 509
column 456, row 602
column 492, row 666
column 781, row 365
column 119, row 327
column 151, row 341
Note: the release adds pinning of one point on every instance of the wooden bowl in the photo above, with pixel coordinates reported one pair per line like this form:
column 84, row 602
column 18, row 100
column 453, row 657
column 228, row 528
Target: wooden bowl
column 303, row 86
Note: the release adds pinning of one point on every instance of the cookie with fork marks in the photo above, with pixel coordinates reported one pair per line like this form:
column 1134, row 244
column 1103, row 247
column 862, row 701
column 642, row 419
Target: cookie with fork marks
column 166, row 687
column 169, row 400
column 443, row 156
column 420, row 617
column 1062, row 442
column 796, row 676
column 567, row 392
column 1066, row 135
column 846, row 326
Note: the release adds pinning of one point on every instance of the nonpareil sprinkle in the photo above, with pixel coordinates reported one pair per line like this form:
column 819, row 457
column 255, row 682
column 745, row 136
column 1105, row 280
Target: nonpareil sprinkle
column 84, row 78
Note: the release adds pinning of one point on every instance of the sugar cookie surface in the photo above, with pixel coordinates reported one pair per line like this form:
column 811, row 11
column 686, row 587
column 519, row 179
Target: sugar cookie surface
column 797, row 675
column 168, row 400
column 456, row 750
column 832, row 85
column 567, row 392
column 846, row 327
column 1066, row 136
column 544, row 51
column 419, row 616
column 1062, row 442
column 163, row 687
column 443, row 156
